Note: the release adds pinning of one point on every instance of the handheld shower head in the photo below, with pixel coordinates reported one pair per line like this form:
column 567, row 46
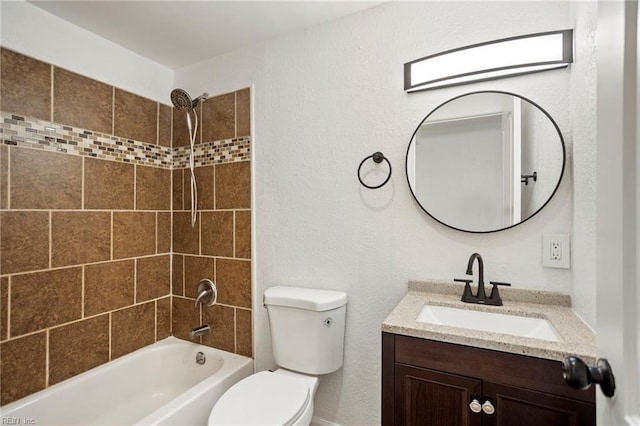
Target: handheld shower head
column 182, row 101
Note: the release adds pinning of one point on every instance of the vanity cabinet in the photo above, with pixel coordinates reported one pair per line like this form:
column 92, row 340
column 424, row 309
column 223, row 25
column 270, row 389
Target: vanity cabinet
column 426, row 382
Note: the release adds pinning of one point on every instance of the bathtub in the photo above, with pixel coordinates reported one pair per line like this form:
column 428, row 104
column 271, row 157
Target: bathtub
column 160, row 384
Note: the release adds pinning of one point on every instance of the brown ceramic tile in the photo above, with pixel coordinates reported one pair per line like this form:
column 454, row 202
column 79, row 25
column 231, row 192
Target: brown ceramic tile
column 184, row 317
column 45, row 180
column 180, row 131
column 82, row 102
column 217, row 233
column 153, row 188
column 25, row 84
column 163, row 318
column 243, row 113
column 186, row 239
column 243, row 234
column 108, row 286
column 80, row 237
column 164, row 125
column 78, row 347
column 244, row 339
column 178, row 190
column 23, row 365
column 195, row 269
column 108, row 185
column 164, row 232
column 219, row 118
column 233, row 185
column 45, row 299
column 233, row 279
column 4, row 308
column 134, row 234
column 221, row 320
column 204, row 182
column 4, row 177
column 153, row 277
column 177, row 275
column 132, row 328
column 24, row 241
column 135, row 117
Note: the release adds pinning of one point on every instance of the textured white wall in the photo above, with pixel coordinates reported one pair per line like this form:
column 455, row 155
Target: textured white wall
column 30, row 30
column 582, row 102
column 328, row 97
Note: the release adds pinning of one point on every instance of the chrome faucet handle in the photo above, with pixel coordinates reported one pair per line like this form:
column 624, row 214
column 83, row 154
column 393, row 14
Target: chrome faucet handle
column 207, row 293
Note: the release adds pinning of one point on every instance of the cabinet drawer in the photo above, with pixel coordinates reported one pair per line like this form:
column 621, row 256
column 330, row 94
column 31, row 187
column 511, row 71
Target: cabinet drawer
column 499, row 367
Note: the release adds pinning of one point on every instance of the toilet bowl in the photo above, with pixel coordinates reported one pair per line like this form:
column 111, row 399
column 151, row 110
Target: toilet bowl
column 307, row 336
column 281, row 398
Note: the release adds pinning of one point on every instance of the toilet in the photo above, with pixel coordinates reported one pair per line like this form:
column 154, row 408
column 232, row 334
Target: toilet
column 307, row 335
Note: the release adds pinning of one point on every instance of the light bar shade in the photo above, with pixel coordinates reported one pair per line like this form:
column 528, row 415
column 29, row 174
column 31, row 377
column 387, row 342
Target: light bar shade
column 491, row 60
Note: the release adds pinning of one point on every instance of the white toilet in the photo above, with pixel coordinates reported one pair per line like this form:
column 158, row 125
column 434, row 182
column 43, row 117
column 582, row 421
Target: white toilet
column 307, row 334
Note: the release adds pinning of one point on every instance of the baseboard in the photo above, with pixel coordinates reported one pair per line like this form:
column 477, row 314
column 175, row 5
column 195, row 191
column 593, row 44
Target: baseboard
column 317, row 421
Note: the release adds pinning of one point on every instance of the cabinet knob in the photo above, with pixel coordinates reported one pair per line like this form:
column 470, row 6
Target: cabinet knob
column 475, row 406
column 488, row 408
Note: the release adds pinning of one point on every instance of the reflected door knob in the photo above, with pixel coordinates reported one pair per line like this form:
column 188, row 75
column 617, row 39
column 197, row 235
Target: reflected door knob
column 580, row 376
column 488, row 408
column 475, row 406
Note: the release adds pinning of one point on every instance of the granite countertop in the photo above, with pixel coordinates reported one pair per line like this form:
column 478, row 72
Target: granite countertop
column 576, row 337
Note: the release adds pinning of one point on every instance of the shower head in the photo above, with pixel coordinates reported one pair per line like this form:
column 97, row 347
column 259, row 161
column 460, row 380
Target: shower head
column 182, row 101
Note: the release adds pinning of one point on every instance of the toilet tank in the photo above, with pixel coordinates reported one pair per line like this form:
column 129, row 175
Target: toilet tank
column 307, row 328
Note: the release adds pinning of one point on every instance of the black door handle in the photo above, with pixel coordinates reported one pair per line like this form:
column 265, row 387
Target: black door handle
column 580, row 376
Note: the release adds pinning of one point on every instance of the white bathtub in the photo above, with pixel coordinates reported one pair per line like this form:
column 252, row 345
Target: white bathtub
column 160, row 384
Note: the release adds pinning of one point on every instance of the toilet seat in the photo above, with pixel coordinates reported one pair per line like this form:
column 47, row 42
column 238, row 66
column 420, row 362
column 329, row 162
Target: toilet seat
column 263, row 398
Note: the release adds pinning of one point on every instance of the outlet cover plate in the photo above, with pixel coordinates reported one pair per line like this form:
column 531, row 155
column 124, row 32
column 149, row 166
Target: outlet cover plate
column 556, row 251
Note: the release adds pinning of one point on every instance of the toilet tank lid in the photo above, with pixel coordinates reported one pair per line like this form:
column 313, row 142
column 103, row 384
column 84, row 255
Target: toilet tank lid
column 305, row 298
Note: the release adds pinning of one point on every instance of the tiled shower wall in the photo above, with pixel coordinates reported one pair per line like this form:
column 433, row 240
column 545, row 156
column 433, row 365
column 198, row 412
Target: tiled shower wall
column 219, row 246
column 85, row 226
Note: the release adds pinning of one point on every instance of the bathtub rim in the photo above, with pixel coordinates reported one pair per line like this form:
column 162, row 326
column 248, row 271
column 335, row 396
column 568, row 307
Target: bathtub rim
column 240, row 361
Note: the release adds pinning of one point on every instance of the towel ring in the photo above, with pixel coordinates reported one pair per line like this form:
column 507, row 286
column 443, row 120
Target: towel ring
column 377, row 158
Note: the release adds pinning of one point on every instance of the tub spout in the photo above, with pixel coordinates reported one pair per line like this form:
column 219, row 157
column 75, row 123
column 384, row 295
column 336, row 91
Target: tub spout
column 203, row 330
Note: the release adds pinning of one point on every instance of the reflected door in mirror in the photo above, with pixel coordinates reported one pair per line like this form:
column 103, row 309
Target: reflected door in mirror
column 467, row 158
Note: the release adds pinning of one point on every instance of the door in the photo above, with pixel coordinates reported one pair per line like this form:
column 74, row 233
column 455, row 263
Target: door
column 524, row 407
column 617, row 225
column 427, row 397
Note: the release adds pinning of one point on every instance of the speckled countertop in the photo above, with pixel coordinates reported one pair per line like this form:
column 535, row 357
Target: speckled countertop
column 576, row 338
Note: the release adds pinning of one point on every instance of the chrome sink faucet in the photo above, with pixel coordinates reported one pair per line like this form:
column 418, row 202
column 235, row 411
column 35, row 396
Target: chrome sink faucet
column 481, row 296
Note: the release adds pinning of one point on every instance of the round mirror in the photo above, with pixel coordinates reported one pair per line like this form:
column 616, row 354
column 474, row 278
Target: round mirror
column 485, row 161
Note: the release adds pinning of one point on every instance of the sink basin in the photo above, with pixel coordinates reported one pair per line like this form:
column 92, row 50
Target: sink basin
column 536, row 328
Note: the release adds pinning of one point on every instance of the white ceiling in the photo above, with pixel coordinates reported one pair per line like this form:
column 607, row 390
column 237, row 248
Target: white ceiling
column 180, row 32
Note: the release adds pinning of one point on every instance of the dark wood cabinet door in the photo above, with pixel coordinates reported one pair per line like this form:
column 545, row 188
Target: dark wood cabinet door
column 523, row 407
column 427, row 397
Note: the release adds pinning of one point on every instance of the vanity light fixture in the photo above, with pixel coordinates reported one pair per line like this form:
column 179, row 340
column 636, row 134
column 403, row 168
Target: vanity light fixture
column 490, row 60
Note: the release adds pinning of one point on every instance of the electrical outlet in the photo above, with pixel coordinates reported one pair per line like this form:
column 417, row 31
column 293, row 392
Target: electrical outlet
column 556, row 251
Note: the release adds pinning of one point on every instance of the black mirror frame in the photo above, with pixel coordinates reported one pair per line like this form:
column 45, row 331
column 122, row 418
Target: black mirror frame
column 564, row 160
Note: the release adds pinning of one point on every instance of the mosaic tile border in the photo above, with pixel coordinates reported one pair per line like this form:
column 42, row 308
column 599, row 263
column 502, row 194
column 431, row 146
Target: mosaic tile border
column 225, row 151
column 29, row 132
column 40, row 134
